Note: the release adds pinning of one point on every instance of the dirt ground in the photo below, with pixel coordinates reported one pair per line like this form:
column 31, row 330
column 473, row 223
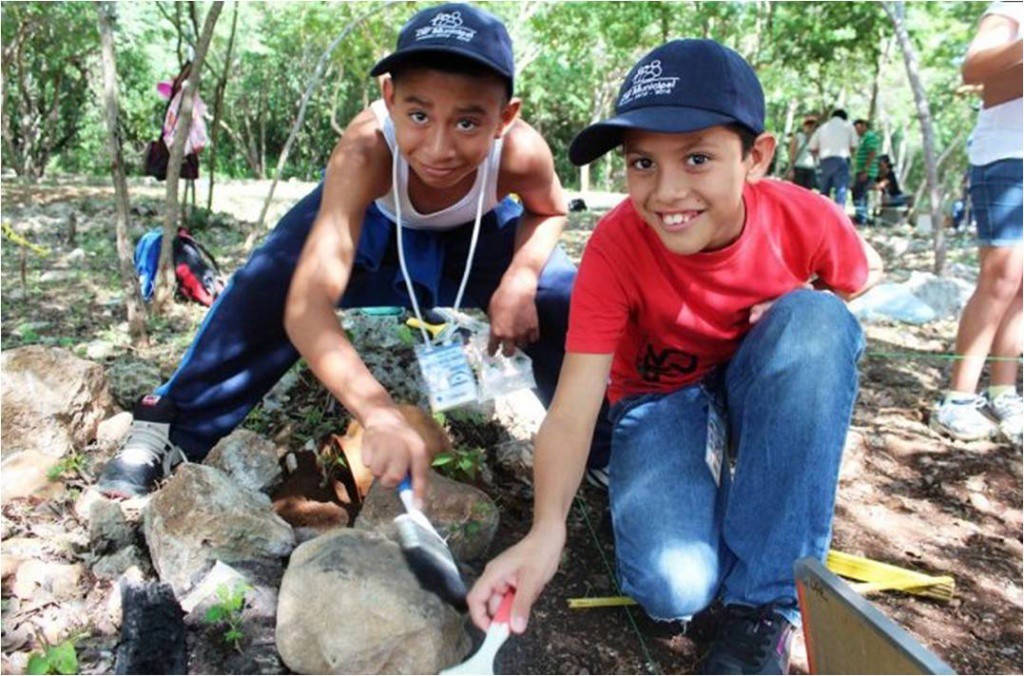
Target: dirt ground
column 907, row 496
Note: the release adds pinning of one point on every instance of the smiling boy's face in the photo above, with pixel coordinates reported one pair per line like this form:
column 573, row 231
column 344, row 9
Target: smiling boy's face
column 445, row 123
column 689, row 187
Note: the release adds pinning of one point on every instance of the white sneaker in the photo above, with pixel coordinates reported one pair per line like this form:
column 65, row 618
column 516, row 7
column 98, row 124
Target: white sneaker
column 963, row 418
column 1008, row 409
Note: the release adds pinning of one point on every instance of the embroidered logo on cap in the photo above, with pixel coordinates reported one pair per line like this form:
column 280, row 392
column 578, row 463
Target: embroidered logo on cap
column 446, row 26
column 648, row 81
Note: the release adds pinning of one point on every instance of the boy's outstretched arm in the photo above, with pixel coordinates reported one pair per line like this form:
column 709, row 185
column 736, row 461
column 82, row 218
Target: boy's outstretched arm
column 528, row 170
column 358, row 172
column 560, row 455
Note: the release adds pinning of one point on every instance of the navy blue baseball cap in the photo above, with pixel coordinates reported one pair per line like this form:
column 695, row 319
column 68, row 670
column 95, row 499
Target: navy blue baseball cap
column 454, row 28
column 681, row 86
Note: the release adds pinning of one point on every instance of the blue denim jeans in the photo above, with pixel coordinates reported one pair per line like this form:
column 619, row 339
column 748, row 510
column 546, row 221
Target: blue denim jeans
column 835, row 174
column 787, row 395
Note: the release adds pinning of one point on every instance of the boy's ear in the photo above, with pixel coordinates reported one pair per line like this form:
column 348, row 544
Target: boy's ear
column 387, row 90
column 508, row 115
column 760, row 157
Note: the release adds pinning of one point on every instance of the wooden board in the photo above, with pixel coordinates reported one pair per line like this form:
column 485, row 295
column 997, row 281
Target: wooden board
column 847, row 635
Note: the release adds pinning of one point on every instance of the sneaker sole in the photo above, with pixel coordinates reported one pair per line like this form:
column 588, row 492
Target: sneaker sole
column 121, row 490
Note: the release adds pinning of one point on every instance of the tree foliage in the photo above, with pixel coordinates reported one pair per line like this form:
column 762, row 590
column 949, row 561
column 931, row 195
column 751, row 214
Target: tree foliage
column 810, row 56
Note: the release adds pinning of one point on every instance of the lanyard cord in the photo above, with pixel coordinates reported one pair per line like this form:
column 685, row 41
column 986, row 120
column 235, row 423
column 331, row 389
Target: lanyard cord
column 401, row 248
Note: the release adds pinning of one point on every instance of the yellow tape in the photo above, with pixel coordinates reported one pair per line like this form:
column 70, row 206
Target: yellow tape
column 878, row 576
column 871, row 576
column 434, row 329
column 601, row 602
column 20, row 240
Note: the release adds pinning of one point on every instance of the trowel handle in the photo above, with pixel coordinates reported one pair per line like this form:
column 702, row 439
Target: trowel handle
column 405, row 493
column 504, row 614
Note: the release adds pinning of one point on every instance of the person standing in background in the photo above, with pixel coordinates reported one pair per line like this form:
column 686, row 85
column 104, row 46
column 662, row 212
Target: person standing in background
column 832, row 144
column 865, row 168
column 991, row 320
column 803, row 169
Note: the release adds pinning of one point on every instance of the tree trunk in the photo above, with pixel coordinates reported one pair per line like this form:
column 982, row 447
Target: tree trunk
column 300, row 118
column 897, row 12
column 883, row 60
column 165, row 281
column 129, row 280
column 218, row 101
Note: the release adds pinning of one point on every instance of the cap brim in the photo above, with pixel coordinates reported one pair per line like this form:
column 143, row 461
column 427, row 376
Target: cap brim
column 597, row 139
column 389, row 62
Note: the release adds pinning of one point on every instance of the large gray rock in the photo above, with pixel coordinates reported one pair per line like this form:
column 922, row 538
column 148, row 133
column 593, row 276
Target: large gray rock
column 248, row 458
column 463, row 515
column 349, row 604
column 946, row 295
column 52, row 401
column 200, row 516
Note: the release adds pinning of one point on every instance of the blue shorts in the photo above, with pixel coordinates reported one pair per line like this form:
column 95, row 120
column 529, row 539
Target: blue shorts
column 996, row 196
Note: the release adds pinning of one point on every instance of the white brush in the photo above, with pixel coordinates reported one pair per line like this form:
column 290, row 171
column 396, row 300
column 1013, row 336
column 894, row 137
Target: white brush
column 482, row 662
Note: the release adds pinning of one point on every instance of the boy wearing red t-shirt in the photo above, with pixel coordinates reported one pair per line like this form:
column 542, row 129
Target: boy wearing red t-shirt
column 699, row 299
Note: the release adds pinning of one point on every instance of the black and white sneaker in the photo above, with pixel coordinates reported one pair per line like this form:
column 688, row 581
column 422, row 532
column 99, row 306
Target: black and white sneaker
column 750, row 640
column 148, row 454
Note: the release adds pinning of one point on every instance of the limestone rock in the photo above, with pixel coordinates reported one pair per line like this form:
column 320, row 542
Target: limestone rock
column 201, row 516
column 249, row 459
column 376, row 618
column 465, row 516
column 52, row 400
column 132, row 379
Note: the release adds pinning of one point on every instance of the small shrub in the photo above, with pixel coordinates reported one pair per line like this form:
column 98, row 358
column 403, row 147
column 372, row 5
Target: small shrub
column 228, row 611
column 55, row 659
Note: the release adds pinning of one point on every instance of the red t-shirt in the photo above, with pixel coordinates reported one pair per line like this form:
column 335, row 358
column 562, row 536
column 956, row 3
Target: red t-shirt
column 670, row 318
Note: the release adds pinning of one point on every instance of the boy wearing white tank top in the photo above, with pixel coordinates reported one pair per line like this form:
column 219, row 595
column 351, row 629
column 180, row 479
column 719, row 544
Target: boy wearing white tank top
column 413, row 211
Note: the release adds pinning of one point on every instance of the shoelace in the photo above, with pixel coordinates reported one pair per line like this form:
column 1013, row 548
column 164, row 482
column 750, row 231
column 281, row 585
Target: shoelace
column 147, row 444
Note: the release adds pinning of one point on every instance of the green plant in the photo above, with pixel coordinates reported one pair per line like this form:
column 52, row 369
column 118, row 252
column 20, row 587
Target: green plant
column 228, row 611
column 72, row 465
column 460, row 463
column 55, row 659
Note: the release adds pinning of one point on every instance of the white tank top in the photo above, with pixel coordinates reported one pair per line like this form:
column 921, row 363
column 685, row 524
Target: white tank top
column 998, row 133
column 463, row 211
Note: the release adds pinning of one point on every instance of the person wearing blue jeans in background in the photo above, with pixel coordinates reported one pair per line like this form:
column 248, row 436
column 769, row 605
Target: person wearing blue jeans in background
column 992, row 319
column 417, row 176
column 832, row 143
column 710, row 300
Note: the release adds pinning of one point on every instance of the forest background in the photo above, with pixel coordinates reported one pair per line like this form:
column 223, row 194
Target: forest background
column 570, row 58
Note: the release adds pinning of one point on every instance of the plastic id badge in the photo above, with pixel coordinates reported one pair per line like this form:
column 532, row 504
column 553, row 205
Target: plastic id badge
column 714, row 454
column 448, row 376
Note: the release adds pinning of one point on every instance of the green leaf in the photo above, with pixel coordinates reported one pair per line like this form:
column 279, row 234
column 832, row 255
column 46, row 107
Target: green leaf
column 38, row 665
column 215, row 614
column 64, row 659
column 442, row 460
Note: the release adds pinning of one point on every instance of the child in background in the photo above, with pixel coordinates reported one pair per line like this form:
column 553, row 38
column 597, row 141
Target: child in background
column 695, row 299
